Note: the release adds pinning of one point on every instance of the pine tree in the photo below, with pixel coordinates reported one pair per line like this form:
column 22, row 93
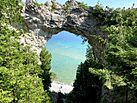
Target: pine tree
column 87, row 86
column 45, row 58
column 19, row 69
column 118, row 76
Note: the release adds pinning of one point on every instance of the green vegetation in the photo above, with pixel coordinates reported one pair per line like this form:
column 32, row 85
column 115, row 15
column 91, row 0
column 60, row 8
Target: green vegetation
column 114, row 82
column 67, row 6
column 83, row 5
column 45, row 59
column 19, row 68
column 87, row 86
column 54, row 5
column 23, row 80
column 38, row 4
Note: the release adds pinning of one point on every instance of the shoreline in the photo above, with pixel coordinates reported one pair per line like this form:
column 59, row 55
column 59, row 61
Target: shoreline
column 61, row 87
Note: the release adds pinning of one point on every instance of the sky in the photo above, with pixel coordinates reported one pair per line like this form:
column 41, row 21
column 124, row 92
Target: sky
column 109, row 3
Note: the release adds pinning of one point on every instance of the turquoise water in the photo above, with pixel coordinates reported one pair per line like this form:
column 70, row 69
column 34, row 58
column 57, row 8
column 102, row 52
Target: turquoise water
column 67, row 53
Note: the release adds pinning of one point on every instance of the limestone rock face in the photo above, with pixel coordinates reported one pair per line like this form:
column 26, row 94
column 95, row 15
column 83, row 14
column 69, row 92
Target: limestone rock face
column 51, row 18
column 36, row 42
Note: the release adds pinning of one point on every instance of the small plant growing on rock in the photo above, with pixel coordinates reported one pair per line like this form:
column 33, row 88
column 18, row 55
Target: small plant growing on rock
column 53, row 6
column 37, row 4
column 67, row 7
column 83, row 5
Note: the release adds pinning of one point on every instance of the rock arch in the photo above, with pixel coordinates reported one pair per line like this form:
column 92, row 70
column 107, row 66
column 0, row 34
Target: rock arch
column 51, row 18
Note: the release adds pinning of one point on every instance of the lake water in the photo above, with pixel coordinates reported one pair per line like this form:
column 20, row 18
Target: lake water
column 67, row 53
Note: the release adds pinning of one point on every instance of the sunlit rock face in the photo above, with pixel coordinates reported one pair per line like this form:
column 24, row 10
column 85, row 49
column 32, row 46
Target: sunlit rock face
column 51, row 18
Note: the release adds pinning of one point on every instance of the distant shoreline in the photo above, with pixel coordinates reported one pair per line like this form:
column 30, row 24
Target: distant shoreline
column 61, row 87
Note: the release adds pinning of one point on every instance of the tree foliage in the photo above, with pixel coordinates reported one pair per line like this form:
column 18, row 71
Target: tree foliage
column 87, row 86
column 121, row 52
column 19, row 69
column 45, row 58
column 118, row 76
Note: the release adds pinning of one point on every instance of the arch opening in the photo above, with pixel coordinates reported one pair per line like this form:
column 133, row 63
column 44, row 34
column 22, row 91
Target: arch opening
column 75, row 20
column 68, row 51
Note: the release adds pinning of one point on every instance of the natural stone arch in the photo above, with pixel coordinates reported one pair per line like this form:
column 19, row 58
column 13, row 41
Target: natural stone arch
column 52, row 18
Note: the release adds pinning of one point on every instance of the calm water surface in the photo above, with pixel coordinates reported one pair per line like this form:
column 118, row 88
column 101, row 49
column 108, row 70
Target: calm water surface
column 67, row 53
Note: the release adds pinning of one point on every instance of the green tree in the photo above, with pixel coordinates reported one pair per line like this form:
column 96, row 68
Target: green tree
column 45, row 58
column 87, row 86
column 119, row 75
column 19, row 69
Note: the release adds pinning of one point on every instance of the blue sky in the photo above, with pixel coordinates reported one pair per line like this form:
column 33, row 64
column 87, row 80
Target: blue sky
column 110, row 3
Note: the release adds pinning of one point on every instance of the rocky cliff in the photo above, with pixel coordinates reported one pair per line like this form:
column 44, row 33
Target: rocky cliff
column 45, row 20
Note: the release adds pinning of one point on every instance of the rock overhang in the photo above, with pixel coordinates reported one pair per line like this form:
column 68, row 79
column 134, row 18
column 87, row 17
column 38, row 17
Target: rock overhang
column 51, row 18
